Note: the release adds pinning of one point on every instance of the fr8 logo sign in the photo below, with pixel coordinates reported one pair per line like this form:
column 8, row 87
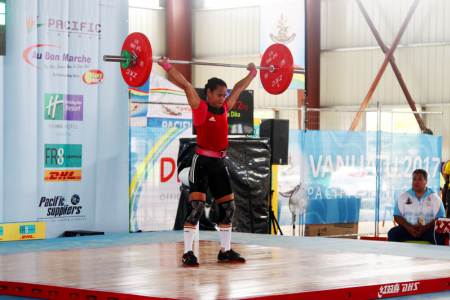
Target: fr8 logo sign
column 56, row 156
column 62, row 156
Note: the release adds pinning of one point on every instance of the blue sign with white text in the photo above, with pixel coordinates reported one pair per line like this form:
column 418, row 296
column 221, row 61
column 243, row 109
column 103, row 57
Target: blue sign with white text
column 354, row 176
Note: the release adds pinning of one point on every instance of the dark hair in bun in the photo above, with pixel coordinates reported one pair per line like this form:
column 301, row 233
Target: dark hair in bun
column 213, row 83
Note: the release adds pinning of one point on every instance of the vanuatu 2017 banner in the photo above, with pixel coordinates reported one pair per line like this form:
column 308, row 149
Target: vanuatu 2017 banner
column 65, row 121
column 354, row 176
column 283, row 22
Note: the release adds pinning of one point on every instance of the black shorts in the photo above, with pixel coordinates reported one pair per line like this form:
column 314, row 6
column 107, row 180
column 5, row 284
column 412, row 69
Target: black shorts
column 209, row 172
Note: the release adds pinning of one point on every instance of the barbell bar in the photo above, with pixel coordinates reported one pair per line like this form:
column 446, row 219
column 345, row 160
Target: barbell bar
column 277, row 64
column 117, row 58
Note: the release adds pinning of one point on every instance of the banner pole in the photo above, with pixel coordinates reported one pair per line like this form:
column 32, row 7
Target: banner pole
column 378, row 172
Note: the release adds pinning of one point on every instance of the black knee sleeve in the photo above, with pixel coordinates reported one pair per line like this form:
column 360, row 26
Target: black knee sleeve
column 195, row 211
column 226, row 212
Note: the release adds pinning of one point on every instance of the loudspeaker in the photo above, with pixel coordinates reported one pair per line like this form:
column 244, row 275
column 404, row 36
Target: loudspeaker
column 278, row 132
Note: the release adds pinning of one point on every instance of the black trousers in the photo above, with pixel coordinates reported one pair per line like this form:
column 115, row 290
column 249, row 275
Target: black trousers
column 400, row 234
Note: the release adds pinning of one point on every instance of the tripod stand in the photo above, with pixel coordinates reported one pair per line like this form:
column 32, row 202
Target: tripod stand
column 272, row 219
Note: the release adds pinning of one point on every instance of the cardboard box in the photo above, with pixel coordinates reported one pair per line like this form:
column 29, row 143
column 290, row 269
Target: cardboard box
column 332, row 229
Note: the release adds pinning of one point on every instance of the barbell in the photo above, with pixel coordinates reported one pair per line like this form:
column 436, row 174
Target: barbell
column 136, row 61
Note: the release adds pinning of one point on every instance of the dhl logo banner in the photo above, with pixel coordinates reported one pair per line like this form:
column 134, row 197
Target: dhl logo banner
column 64, row 175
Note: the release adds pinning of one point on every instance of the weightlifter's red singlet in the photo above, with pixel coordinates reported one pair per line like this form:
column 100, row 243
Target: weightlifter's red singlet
column 212, row 126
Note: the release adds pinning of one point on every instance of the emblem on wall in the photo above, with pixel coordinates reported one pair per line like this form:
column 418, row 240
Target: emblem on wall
column 281, row 31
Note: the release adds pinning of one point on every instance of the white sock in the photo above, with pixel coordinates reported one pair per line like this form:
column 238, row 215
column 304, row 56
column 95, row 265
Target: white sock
column 189, row 233
column 225, row 237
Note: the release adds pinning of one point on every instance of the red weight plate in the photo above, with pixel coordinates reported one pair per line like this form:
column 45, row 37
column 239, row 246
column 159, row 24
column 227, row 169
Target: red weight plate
column 137, row 75
column 280, row 57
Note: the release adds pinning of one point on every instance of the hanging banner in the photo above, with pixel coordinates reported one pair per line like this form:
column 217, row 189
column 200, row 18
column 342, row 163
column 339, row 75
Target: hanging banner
column 72, row 101
column 283, row 22
column 344, row 172
column 154, row 142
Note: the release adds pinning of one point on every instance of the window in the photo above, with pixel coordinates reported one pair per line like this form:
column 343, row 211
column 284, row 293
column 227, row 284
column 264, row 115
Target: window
column 2, row 14
column 396, row 121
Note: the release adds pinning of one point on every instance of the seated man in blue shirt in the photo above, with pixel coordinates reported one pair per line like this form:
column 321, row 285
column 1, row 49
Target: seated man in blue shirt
column 416, row 212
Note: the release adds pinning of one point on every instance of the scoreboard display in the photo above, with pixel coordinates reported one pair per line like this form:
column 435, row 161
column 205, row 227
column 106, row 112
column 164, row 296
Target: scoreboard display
column 240, row 117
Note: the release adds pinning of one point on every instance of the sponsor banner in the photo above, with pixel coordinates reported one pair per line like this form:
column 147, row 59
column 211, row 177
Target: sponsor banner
column 73, row 101
column 22, row 231
column 63, row 156
column 169, row 123
column 381, row 291
column 344, row 172
column 63, row 107
column 154, row 186
column 283, row 22
column 27, row 229
column 93, row 77
column 62, row 175
column 61, row 209
column 154, row 141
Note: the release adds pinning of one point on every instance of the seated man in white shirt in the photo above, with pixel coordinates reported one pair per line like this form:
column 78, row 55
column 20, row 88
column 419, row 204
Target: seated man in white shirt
column 416, row 212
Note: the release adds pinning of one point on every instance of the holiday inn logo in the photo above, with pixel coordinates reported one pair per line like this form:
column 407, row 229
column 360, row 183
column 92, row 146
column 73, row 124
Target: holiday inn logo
column 63, row 107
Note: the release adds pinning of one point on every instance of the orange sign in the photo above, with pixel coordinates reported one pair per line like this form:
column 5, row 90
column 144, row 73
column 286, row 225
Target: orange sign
column 62, row 175
column 93, row 77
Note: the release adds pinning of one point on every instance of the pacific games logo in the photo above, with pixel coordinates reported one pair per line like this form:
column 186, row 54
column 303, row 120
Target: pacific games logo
column 32, row 24
column 63, row 107
column 281, row 30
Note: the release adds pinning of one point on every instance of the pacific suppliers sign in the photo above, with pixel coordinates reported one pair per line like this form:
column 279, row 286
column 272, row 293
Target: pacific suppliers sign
column 59, row 207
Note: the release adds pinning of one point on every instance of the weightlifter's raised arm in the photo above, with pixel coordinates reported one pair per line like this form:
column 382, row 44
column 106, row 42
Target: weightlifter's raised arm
column 191, row 93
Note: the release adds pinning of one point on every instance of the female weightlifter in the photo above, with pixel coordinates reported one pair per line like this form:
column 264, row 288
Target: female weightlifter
column 208, row 167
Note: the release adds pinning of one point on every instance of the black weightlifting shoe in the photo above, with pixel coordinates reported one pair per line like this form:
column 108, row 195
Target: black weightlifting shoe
column 230, row 256
column 190, row 260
